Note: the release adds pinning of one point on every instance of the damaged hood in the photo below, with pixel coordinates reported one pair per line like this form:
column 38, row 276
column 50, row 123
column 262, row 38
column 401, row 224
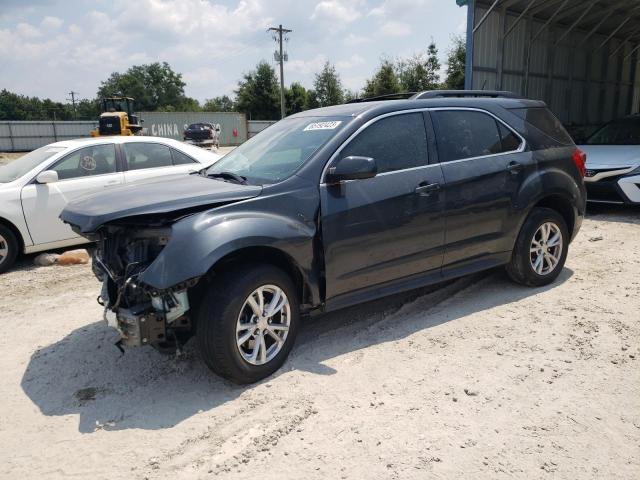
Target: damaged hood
column 166, row 195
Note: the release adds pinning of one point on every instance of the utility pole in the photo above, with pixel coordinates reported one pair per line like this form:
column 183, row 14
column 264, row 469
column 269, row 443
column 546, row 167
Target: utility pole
column 281, row 57
column 73, row 101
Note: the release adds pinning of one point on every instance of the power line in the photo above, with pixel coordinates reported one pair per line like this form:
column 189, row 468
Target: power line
column 280, row 57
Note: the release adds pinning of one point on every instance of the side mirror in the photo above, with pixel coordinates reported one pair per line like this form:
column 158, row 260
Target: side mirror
column 142, row 120
column 48, row 176
column 352, row 168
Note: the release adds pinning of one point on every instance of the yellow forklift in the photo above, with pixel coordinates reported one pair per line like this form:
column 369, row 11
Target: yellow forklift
column 117, row 118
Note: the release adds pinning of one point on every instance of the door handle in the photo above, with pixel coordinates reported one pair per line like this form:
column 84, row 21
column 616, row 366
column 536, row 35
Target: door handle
column 514, row 168
column 425, row 189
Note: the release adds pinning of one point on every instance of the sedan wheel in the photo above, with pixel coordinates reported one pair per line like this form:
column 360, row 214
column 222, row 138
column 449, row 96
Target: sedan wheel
column 8, row 248
column 4, row 249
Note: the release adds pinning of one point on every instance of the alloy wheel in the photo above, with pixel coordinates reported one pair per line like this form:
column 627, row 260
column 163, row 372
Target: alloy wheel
column 4, row 249
column 263, row 324
column 546, row 248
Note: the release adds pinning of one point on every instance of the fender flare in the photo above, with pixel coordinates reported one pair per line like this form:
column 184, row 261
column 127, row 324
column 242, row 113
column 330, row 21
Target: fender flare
column 199, row 242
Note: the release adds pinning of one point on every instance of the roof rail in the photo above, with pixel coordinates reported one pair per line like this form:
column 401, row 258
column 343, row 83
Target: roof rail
column 391, row 96
column 464, row 93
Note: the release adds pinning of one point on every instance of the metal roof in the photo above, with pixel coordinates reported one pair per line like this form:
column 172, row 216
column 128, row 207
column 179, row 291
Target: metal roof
column 580, row 56
column 611, row 18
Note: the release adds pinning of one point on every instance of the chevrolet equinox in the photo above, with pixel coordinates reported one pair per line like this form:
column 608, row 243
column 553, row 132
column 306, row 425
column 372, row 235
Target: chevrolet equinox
column 332, row 207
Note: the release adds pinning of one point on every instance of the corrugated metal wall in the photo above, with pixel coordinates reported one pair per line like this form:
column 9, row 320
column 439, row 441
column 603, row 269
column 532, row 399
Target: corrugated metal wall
column 256, row 126
column 172, row 124
column 25, row 136
column 582, row 88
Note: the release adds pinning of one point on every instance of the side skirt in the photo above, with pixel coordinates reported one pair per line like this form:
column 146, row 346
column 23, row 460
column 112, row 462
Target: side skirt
column 417, row 281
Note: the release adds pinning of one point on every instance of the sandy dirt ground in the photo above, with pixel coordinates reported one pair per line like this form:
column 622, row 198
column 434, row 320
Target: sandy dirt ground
column 479, row 378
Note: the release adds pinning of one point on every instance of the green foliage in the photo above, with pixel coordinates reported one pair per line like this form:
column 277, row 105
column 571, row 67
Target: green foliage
column 258, row 94
column 295, row 98
column 20, row 107
column 456, row 58
column 219, row 104
column 384, row 81
column 312, row 100
column 154, row 87
column 328, row 86
column 350, row 95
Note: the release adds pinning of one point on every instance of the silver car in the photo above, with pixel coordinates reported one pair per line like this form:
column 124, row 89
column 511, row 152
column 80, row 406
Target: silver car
column 613, row 162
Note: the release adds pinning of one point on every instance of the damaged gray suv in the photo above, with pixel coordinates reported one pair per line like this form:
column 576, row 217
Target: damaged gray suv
column 329, row 208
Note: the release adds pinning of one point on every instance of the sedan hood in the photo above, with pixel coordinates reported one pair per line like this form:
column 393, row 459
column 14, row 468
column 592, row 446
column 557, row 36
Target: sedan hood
column 611, row 156
column 169, row 194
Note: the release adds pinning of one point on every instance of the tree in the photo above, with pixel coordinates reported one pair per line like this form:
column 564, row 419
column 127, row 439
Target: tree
column 350, row 95
column 258, row 94
column 154, row 86
column 433, row 67
column 295, row 98
column 419, row 73
column 384, row 81
column 219, row 104
column 328, row 86
column 456, row 58
column 20, row 107
column 311, row 101
column 412, row 74
column 87, row 109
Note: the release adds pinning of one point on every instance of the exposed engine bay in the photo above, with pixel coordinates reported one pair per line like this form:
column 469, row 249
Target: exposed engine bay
column 142, row 314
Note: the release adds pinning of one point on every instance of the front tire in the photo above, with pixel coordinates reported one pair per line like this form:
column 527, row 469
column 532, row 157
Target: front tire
column 247, row 322
column 8, row 249
column 541, row 249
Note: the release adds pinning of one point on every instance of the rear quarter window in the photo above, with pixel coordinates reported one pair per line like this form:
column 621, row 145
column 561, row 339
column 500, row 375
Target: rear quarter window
column 544, row 121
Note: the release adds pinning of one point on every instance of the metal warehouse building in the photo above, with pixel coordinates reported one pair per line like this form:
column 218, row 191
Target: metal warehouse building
column 580, row 56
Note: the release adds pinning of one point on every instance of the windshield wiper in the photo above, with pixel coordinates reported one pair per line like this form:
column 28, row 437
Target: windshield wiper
column 229, row 176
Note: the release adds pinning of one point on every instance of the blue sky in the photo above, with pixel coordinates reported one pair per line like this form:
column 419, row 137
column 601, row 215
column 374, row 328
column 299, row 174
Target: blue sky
column 49, row 47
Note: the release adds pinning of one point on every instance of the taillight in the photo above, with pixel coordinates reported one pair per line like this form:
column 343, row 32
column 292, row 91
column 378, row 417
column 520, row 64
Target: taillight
column 580, row 159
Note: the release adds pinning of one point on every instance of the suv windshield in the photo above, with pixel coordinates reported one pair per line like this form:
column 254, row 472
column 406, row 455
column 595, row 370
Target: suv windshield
column 278, row 151
column 625, row 131
column 17, row 168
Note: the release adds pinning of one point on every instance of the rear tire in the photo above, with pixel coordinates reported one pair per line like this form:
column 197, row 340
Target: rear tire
column 541, row 249
column 9, row 246
column 226, row 311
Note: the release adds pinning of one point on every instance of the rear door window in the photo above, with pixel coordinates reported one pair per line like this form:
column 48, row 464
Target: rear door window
column 141, row 155
column 464, row 134
column 88, row 161
column 395, row 143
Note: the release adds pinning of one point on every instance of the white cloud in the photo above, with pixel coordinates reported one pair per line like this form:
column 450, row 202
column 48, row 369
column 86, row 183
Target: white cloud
column 27, row 30
column 351, row 62
column 396, row 29
column 336, row 11
column 51, row 22
column 353, row 39
column 307, row 67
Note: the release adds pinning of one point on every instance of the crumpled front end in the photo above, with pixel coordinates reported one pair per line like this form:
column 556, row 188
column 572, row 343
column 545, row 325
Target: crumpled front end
column 142, row 314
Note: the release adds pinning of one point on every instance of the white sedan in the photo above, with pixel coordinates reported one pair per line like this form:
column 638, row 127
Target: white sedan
column 36, row 187
column 613, row 162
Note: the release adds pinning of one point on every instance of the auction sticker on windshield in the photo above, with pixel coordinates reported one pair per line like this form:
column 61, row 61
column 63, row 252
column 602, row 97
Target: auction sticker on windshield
column 323, row 125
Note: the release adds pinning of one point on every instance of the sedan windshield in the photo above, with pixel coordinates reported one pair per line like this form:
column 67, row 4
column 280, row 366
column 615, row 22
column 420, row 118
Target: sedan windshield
column 17, row 168
column 625, row 131
column 278, row 151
